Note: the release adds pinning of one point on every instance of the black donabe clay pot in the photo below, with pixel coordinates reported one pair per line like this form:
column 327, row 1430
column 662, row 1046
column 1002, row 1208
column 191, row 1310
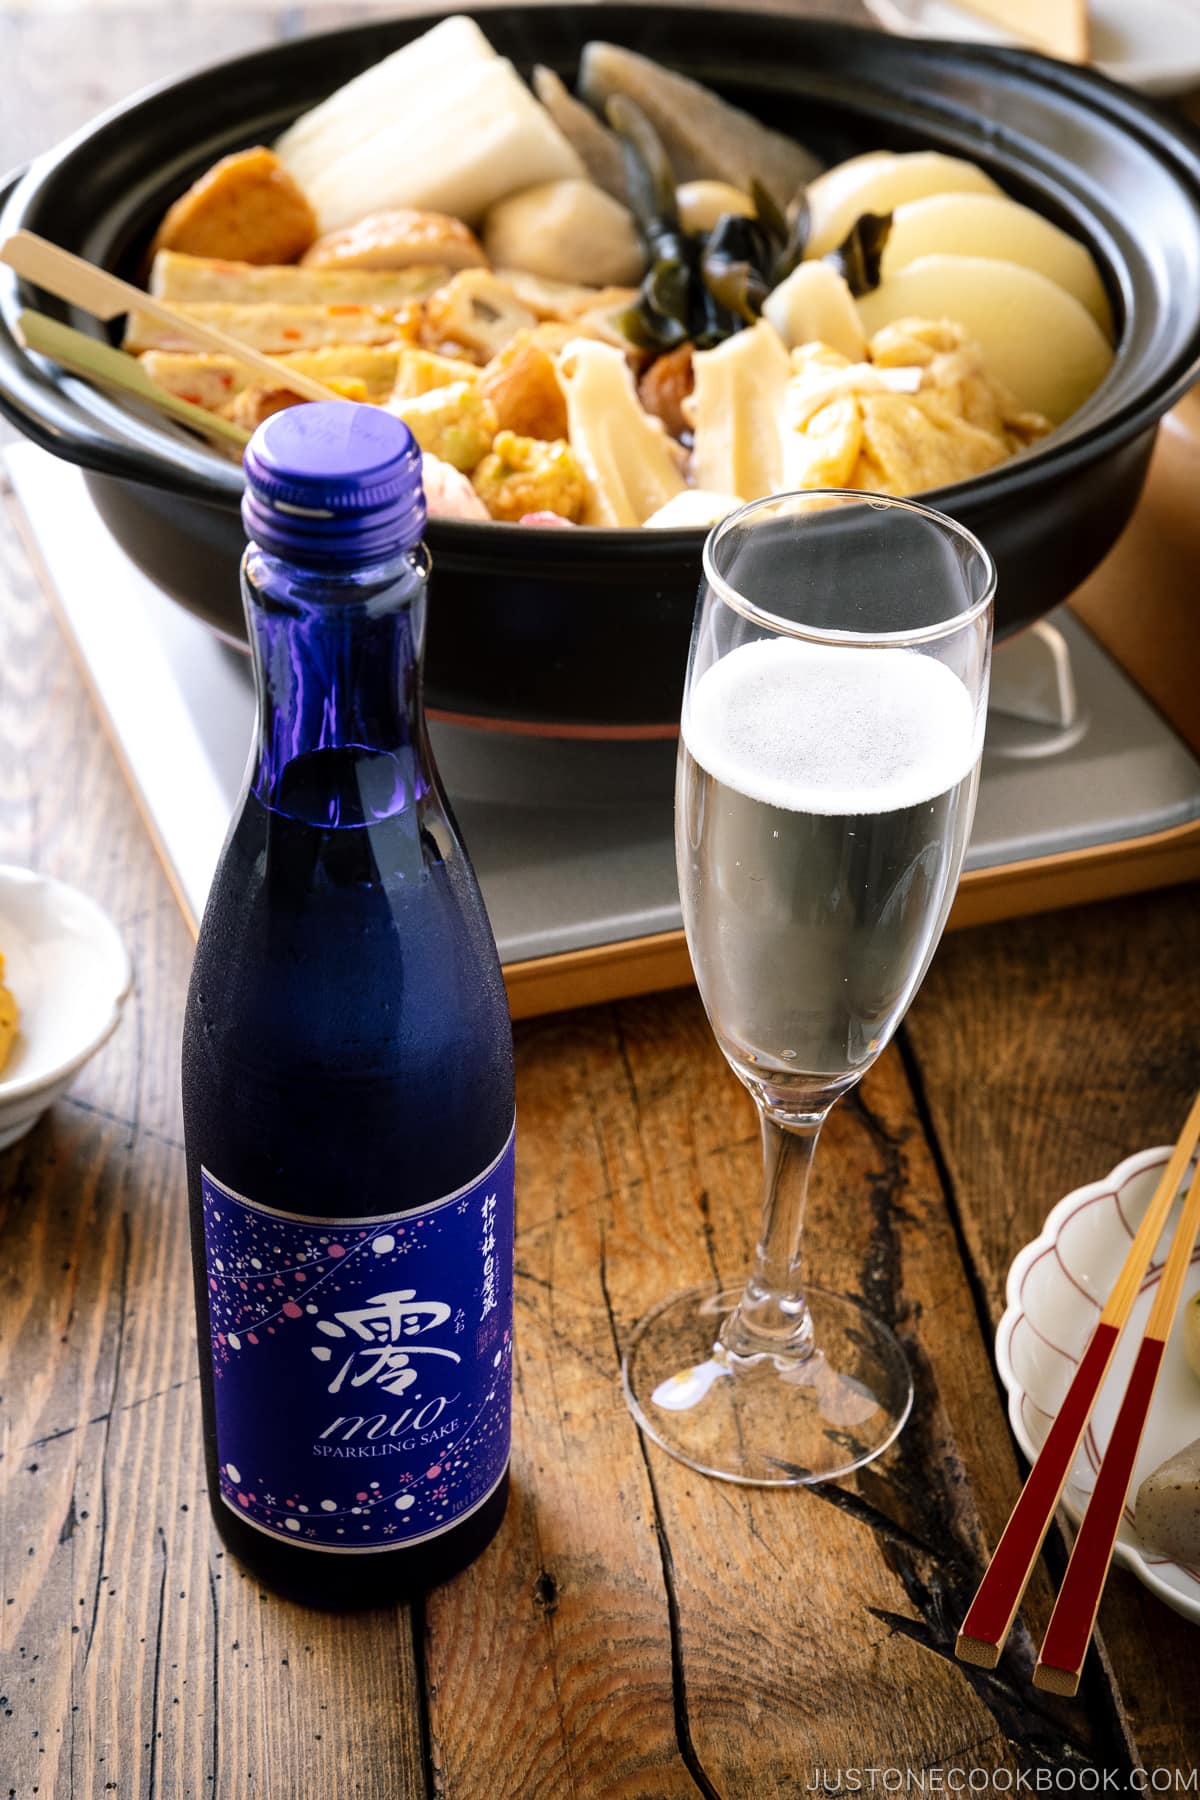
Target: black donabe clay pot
column 589, row 629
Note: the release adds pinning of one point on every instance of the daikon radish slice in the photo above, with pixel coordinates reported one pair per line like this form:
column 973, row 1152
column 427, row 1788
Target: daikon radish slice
column 379, row 96
column 814, row 305
column 992, row 225
column 880, row 185
column 1038, row 340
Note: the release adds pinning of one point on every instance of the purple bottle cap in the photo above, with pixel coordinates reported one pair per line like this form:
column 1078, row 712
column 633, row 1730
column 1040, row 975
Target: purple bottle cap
column 333, row 478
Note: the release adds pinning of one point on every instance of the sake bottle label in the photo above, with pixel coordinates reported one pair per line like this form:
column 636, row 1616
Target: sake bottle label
column 362, row 1368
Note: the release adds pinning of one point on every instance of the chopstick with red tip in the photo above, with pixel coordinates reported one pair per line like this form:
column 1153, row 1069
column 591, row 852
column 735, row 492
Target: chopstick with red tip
column 1070, row 1629
column 991, row 1613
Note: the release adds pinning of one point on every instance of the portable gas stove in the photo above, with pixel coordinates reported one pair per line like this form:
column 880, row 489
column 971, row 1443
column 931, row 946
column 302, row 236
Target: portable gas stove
column 1085, row 789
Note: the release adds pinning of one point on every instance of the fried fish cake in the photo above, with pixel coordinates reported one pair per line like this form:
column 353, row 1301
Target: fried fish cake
column 246, row 208
column 523, row 386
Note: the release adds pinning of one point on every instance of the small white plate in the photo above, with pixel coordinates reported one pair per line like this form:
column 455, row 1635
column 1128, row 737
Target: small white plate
column 1153, row 45
column 1056, row 1289
column 69, row 972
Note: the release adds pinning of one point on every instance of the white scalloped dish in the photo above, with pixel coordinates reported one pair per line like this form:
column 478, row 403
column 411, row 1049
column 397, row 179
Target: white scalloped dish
column 1056, row 1288
column 70, row 974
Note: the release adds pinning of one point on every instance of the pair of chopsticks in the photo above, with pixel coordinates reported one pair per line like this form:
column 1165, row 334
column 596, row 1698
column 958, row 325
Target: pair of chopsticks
column 991, row 1613
column 105, row 296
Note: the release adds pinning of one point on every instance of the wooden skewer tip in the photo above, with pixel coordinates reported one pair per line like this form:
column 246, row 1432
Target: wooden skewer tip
column 1056, row 1681
column 976, row 1650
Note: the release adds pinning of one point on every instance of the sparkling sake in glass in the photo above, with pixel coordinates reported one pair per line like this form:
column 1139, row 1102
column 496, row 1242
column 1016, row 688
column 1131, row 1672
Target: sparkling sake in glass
column 828, row 764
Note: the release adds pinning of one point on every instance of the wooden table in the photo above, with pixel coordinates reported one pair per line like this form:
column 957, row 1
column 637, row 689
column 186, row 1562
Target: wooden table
column 635, row 1631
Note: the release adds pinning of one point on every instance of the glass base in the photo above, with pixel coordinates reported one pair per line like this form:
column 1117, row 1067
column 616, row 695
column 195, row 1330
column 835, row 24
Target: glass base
column 767, row 1421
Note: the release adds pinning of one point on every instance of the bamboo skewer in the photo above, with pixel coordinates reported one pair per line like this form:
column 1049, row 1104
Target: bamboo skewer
column 991, row 1613
column 1070, row 1629
column 112, row 368
column 105, row 296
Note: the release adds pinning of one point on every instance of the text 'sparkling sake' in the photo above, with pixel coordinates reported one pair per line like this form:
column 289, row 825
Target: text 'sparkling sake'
column 347, row 1066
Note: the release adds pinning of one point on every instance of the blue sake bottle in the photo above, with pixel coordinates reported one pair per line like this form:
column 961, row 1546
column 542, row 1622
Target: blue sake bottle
column 347, row 1066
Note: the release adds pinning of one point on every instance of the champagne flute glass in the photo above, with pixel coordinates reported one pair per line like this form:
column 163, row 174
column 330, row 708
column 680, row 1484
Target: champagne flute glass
column 832, row 726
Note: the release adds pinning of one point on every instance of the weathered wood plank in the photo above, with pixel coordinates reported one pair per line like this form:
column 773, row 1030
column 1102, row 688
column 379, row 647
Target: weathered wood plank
column 131, row 1649
column 571, row 1596
column 861, row 1591
column 634, row 1630
column 1048, row 1051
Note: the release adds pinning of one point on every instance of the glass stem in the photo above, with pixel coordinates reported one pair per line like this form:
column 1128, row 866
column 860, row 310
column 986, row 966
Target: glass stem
column 771, row 1318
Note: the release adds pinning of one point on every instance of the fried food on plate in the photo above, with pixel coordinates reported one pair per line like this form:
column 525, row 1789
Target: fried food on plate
column 10, row 1018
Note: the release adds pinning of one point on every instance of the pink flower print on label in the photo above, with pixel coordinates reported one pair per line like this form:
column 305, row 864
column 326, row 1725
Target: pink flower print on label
column 392, row 1355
